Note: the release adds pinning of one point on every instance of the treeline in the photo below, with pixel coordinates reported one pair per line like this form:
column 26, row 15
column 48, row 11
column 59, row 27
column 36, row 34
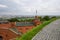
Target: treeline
column 45, row 18
column 19, row 20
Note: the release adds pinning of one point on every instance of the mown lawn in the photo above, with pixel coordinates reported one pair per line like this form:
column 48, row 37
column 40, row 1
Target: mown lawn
column 29, row 35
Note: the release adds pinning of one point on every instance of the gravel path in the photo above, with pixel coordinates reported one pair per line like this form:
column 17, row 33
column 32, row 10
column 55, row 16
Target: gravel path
column 50, row 32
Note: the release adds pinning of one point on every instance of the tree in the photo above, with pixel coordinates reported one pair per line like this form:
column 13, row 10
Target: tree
column 13, row 20
column 46, row 18
column 53, row 17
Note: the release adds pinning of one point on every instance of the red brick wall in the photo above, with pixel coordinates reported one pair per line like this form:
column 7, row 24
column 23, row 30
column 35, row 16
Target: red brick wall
column 13, row 24
column 25, row 28
column 37, row 22
column 7, row 34
column 10, row 24
column 5, row 25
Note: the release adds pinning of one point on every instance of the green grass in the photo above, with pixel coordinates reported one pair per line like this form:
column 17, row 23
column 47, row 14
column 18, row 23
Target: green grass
column 30, row 34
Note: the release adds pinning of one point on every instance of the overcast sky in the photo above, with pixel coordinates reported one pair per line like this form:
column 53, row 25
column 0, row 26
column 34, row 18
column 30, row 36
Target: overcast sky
column 28, row 7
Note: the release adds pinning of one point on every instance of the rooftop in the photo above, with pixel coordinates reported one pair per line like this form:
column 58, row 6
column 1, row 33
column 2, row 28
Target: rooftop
column 24, row 23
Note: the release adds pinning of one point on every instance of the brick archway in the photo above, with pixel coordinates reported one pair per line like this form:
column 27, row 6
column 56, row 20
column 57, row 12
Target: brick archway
column 1, row 38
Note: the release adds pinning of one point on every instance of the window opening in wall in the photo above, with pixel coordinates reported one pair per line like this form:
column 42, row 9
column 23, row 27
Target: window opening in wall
column 1, row 38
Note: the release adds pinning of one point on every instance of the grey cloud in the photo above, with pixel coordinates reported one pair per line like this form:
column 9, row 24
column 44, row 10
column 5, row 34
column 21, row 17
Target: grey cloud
column 28, row 7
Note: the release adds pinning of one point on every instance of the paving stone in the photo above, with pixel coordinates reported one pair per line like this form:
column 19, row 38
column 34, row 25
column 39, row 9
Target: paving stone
column 50, row 32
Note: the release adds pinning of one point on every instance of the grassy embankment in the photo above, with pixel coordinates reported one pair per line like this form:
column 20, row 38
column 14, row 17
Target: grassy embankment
column 30, row 34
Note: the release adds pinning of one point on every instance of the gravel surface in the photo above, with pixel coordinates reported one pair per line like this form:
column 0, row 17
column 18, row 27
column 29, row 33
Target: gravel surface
column 50, row 32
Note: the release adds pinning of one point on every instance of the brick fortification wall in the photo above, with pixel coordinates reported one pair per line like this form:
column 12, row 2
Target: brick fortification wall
column 7, row 34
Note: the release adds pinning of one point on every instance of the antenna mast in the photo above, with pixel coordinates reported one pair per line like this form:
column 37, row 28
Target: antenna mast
column 36, row 12
column 36, row 17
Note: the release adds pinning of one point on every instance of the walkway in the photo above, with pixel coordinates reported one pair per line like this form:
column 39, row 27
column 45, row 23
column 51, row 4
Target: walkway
column 50, row 32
